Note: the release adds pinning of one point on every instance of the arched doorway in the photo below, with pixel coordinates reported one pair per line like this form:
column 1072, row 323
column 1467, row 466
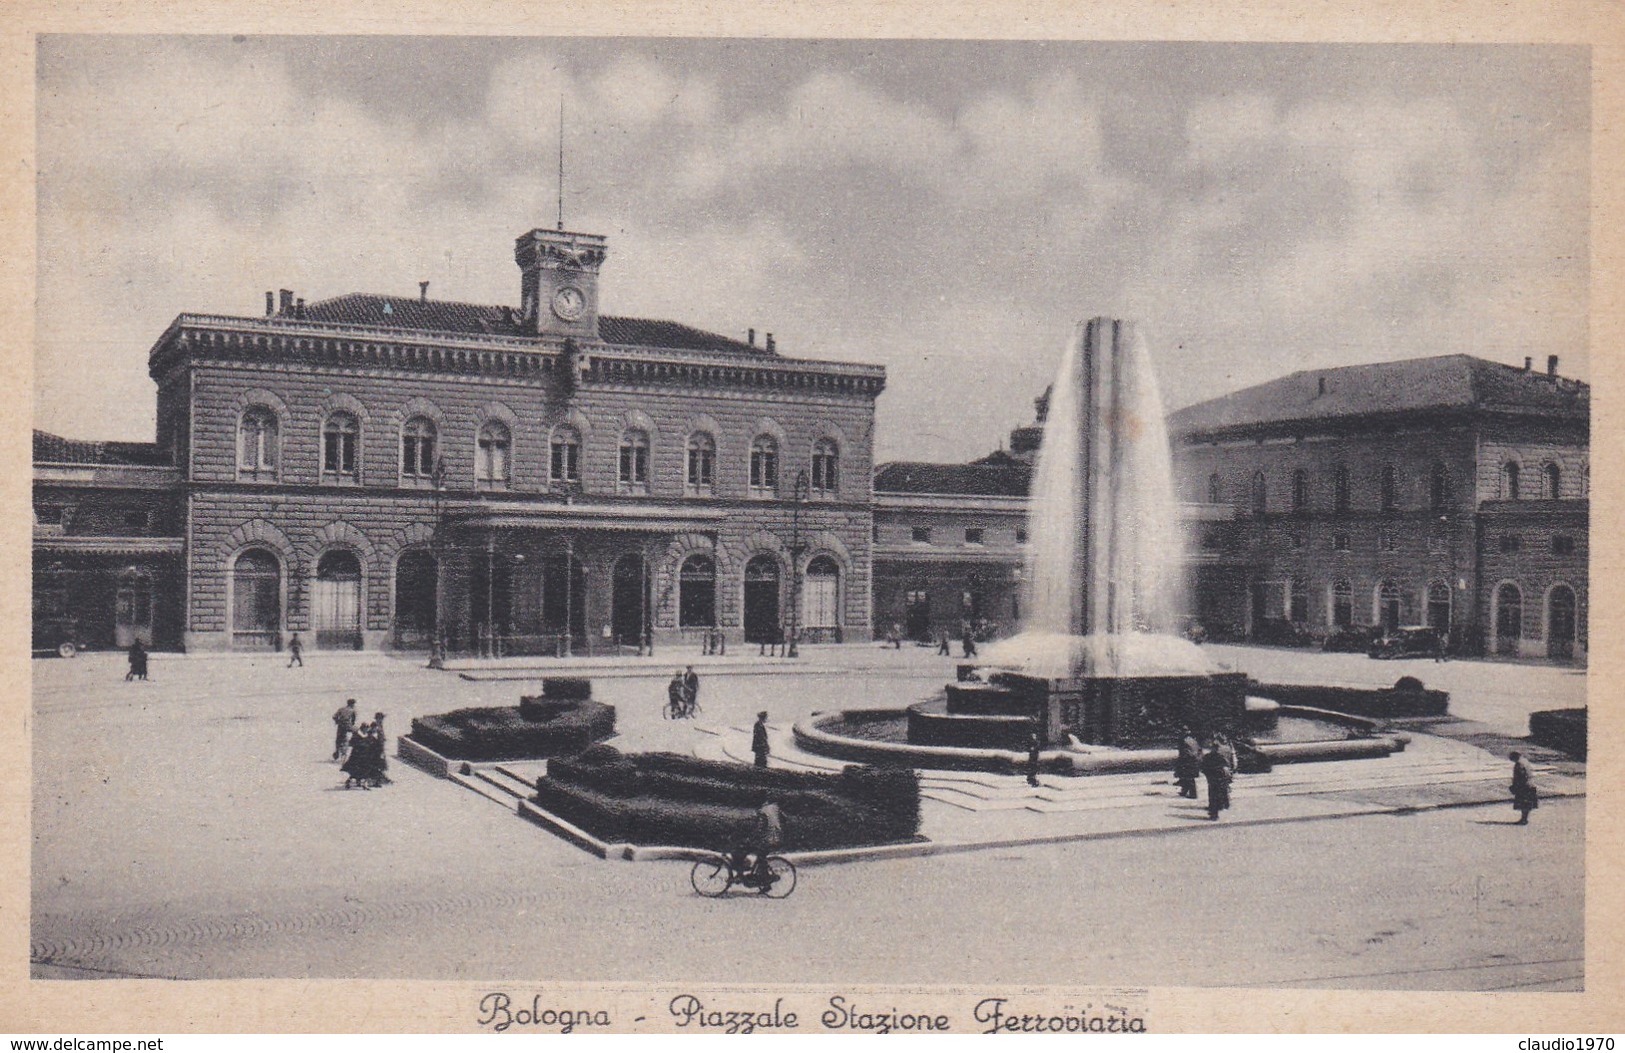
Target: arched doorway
column 132, row 609
column 629, row 600
column 1508, row 619
column 1560, row 622
column 697, row 593
column 256, row 601
column 1389, row 605
column 820, row 594
column 564, row 598
column 414, row 598
column 1342, row 604
column 762, row 599
column 335, row 601
column 1439, row 605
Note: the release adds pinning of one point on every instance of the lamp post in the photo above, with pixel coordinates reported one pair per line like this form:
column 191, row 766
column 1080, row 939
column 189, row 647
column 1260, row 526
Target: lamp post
column 797, row 499
column 437, row 646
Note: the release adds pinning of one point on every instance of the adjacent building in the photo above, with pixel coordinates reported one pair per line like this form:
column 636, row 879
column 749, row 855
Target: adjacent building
column 1450, row 492
column 377, row 471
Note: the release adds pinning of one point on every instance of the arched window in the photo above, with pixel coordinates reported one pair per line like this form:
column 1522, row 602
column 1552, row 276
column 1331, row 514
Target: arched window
column 764, row 467
column 763, row 614
column 564, row 466
column 415, row 576
column 491, row 456
column 634, row 465
column 1340, row 488
column 1561, row 622
column 697, row 593
column 1440, row 497
column 1509, row 481
column 341, row 440
column 256, row 601
column 257, row 444
column 1300, row 491
column 702, row 463
column 1342, row 603
column 821, row 594
column 1260, row 494
column 1389, row 486
column 1551, row 478
column 1215, row 486
column 825, row 467
column 418, row 449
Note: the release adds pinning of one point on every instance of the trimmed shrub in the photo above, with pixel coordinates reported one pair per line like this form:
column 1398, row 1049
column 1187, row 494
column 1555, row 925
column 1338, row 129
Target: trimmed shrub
column 665, row 798
column 540, row 707
column 501, row 733
column 567, row 688
column 1560, row 729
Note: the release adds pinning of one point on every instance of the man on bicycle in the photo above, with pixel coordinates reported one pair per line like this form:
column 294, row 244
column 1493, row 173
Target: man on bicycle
column 766, row 835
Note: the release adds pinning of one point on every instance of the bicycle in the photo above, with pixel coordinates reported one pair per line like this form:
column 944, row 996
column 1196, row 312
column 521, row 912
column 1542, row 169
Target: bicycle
column 773, row 876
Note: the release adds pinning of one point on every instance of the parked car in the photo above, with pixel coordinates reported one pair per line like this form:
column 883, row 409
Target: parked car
column 1350, row 638
column 57, row 635
column 1412, row 641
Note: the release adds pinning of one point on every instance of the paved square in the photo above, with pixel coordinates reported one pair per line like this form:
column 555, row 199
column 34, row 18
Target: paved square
column 194, row 826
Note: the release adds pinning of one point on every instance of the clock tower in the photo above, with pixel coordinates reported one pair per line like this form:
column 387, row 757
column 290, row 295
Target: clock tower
column 559, row 282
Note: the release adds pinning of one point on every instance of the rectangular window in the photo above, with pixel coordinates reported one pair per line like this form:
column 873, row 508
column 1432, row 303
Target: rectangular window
column 1511, row 543
column 1340, row 542
column 137, row 522
column 338, row 453
column 566, row 467
column 764, row 470
column 1562, row 545
column 974, row 536
column 48, row 515
column 1021, row 536
column 634, row 465
column 920, row 534
column 1388, row 541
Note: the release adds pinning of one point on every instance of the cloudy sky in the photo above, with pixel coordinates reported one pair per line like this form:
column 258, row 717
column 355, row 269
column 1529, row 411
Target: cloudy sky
column 945, row 209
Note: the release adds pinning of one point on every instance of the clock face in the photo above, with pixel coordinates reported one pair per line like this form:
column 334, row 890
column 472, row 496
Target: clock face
column 569, row 303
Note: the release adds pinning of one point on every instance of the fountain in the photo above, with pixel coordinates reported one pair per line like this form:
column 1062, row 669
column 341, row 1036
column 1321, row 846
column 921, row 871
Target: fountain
column 1096, row 670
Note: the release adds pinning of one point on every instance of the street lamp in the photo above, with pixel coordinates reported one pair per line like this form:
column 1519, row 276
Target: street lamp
column 437, row 646
column 798, row 498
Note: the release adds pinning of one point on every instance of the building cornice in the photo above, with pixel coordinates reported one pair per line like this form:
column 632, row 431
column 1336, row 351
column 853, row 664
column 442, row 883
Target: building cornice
column 260, row 341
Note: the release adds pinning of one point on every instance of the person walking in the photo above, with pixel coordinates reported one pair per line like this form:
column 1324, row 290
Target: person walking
column 942, row 645
column 1188, row 765
column 138, row 661
column 674, row 696
column 1218, row 773
column 1524, row 796
column 1033, row 748
column 296, row 652
column 380, row 756
column 345, row 719
column 691, row 692
column 758, row 740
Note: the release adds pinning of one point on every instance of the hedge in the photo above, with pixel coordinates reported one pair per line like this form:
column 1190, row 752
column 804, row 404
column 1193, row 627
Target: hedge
column 1560, row 729
column 505, row 733
column 1386, row 703
column 665, row 798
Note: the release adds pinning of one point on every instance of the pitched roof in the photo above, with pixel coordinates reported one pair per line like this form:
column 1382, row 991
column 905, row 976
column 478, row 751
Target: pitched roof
column 450, row 316
column 1459, row 382
column 920, row 477
column 54, row 449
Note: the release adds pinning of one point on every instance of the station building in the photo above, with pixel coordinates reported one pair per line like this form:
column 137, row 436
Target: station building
column 373, row 471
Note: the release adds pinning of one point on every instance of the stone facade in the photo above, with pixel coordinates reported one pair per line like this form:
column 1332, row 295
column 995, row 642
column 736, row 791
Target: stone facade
column 352, row 447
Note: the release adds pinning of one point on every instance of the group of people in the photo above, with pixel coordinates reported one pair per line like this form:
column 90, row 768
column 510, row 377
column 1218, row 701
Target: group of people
column 683, row 695
column 1217, row 764
column 360, row 748
column 138, row 661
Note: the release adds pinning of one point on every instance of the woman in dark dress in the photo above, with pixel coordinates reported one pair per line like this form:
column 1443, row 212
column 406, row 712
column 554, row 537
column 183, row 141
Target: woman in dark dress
column 1525, row 799
column 358, row 766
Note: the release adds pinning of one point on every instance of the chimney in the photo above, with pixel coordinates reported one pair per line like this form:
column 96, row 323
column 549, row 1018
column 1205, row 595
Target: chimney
column 751, row 339
column 1551, row 365
column 285, row 301
column 770, row 343
column 423, row 292
column 270, row 303
column 299, row 308
column 1528, row 364
column 1322, row 386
